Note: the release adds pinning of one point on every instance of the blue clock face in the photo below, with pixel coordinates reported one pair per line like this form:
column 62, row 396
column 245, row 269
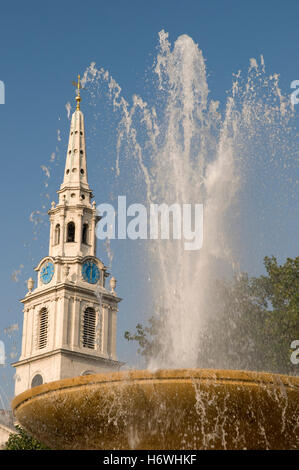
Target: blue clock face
column 47, row 272
column 90, row 272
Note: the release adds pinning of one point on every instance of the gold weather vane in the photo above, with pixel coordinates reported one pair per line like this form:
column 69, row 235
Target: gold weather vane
column 78, row 86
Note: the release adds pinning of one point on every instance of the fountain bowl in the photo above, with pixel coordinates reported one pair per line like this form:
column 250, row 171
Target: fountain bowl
column 166, row 409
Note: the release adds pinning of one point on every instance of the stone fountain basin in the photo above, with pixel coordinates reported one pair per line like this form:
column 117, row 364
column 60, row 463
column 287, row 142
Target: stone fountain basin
column 167, row 409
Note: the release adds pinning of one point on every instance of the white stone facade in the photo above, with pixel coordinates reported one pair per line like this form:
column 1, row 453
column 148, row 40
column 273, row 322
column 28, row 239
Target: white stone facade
column 69, row 324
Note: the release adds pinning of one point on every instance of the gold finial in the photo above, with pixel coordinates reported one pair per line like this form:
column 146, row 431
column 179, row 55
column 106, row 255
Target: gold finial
column 78, row 86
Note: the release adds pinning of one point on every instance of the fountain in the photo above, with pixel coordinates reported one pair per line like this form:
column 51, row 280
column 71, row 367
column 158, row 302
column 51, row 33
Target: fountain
column 168, row 409
column 191, row 155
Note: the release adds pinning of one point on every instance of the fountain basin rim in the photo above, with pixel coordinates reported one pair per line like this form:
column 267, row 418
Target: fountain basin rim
column 224, row 375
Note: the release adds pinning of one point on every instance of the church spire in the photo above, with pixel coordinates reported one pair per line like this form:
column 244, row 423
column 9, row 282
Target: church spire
column 75, row 174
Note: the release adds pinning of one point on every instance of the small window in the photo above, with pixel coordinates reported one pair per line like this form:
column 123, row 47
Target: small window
column 82, row 171
column 81, row 151
column 70, row 232
column 67, row 171
column 37, row 380
column 85, row 234
column 57, row 235
column 89, row 328
column 43, row 328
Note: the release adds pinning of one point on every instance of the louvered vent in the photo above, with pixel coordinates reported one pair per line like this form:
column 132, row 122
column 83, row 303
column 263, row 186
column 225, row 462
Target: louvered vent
column 89, row 328
column 43, row 328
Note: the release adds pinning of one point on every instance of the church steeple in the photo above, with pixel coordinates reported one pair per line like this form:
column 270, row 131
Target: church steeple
column 75, row 174
column 75, row 166
column 70, row 317
column 75, row 215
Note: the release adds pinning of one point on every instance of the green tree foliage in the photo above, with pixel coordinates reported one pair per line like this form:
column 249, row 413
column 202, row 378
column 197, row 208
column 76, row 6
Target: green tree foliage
column 251, row 322
column 280, row 294
column 147, row 336
column 23, row 441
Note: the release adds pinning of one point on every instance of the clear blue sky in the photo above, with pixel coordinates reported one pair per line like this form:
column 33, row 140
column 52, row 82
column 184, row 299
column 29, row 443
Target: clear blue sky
column 44, row 45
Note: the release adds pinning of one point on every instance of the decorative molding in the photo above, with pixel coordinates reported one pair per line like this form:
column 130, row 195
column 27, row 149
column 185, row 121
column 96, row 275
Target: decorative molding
column 69, row 352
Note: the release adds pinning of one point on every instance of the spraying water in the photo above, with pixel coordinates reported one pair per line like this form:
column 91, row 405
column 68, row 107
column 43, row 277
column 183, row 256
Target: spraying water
column 187, row 152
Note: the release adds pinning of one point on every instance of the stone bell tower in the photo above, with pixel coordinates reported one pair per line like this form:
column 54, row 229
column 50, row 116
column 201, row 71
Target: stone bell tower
column 70, row 318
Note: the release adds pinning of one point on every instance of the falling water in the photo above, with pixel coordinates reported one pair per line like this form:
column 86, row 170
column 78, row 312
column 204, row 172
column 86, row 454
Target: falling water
column 190, row 152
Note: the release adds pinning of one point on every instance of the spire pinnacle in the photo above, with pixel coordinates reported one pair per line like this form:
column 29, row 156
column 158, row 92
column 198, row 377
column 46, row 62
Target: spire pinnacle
column 78, row 86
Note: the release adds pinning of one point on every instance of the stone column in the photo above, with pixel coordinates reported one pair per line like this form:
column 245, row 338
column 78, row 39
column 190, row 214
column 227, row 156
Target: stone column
column 113, row 314
column 65, row 320
column 31, row 332
column 106, row 329
column 79, row 236
column 25, row 333
column 51, row 236
column 51, row 318
column 75, row 334
column 55, row 315
column 59, row 323
column 62, row 232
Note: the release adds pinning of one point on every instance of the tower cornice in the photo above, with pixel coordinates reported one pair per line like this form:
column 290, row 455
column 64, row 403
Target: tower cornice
column 73, row 289
column 70, row 260
column 71, row 186
column 64, row 208
column 90, row 357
